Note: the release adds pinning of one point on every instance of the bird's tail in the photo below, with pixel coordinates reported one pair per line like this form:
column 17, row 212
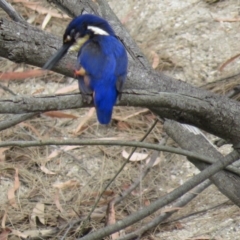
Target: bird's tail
column 105, row 99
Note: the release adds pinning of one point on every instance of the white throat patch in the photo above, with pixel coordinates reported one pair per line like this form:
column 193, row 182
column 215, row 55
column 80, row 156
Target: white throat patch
column 98, row 30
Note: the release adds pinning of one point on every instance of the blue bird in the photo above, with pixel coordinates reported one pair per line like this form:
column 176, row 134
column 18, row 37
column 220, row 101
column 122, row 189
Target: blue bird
column 101, row 61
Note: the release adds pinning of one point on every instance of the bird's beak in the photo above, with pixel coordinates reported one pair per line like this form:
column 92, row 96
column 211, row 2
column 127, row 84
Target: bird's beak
column 57, row 56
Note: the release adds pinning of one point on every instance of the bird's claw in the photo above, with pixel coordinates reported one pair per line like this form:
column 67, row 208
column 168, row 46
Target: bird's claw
column 81, row 72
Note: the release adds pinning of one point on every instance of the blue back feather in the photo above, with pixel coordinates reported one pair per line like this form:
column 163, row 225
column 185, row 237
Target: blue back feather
column 105, row 60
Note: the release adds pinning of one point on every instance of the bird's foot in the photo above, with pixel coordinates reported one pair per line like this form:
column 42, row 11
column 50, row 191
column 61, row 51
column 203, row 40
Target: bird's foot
column 80, row 72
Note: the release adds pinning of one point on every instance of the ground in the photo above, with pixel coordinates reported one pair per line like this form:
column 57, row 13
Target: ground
column 190, row 40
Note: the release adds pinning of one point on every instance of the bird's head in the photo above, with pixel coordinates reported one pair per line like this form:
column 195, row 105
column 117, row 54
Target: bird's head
column 79, row 30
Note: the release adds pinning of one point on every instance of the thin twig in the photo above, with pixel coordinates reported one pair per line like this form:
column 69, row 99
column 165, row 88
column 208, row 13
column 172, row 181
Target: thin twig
column 120, row 170
column 179, row 204
column 143, row 175
column 137, row 182
column 163, row 201
column 123, row 195
column 8, row 8
column 67, row 231
column 196, row 213
column 201, row 112
column 10, row 122
column 116, row 143
column 111, row 181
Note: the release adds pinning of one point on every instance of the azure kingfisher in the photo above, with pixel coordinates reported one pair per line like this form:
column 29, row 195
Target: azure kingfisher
column 101, row 61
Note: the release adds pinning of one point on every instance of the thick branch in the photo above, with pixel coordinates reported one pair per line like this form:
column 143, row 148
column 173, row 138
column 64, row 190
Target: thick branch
column 135, row 98
column 40, row 104
column 226, row 182
column 213, row 113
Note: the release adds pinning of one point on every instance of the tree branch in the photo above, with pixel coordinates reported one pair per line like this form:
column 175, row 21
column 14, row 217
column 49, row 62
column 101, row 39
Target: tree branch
column 137, row 182
column 210, row 112
column 213, row 113
column 120, row 169
column 175, row 194
column 162, row 217
column 156, row 147
column 12, row 121
column 100, row 142
column 226, row 182
column 8, row 8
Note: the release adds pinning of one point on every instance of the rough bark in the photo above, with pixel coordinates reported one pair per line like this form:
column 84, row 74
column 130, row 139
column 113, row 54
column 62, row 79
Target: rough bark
column 180, row 101
column 227, row 183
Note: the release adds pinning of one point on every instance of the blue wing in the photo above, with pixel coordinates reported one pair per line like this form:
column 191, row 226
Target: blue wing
column 105, row 61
